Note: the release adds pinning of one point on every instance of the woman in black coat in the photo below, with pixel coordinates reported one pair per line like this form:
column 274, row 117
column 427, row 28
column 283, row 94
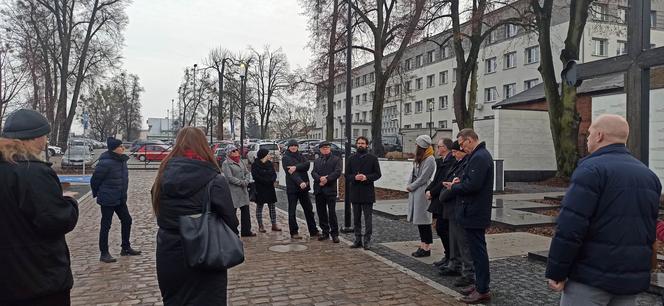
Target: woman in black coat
column 180, row 190
column 264, row 176
column 35, row 215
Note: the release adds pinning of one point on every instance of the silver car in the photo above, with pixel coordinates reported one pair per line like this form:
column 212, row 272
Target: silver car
column 77, row 156
column 273, row 147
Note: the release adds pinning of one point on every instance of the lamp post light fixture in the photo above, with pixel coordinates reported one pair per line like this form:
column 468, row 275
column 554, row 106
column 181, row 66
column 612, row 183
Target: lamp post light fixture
column 430, row 107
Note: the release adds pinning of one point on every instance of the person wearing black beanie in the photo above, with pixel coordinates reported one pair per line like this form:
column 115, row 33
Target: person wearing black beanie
column 264, row 174
column 109, row 184
column 36, row 215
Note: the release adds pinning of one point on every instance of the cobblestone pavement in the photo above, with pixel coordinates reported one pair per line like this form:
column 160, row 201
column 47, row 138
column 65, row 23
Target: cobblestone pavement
column 322, row 274
column 514, row 280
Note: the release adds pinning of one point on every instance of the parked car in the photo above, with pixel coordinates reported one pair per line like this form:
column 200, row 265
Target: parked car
column 77, row 156
column 79, row 143
column 140, row 143
column 220, row 145
column 152, row 152
column 54, row 151
column 273, row 147
column 335, row 150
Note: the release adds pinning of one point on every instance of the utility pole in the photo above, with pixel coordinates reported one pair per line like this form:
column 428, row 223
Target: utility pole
column 347, row 209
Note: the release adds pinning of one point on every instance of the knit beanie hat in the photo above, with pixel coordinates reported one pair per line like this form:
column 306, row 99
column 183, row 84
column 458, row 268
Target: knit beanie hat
column 25, row 124
column 423, row 141
column 292, row 142
column 113, row 143
column 262, row 153
column 230, row 148
column 455, row 146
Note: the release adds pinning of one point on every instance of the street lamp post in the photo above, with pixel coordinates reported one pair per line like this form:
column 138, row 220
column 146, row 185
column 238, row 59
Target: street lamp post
column 221, row 100
column 243, row 87
column 349, row 43
column 430, row 108
column 194, row 91
column 209, row 121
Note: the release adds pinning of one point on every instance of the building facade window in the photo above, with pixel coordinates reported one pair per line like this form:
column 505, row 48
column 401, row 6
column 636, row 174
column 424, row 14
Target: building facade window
column 509, row 90
column 418, row 61
column 418, row 125
column 622, row 47
column 600, row 12
column 532, row 55
column 431, row 104
column 371, row 96
column 418, row 83
column 442, row 124
column 407, row 109
column 528, row 84
column 389, row 91
column 600, row 47
column 356, row 132
column 444, row 52
column 364, row 116
column 509, row 60
column 442, row 102
column 430, row 56
column 371, row 77
column 364, row 80
column 491, row 38
column 397, row 89
column 622, row 15
column 407, row 64
column 510, row 30
column 442, row 77
column 418, row 107
column 431, row 81
column 364, row 98
column 490, row 65
column 407, row 126
column 357, row 100
column 407, row 86
column 490, row 94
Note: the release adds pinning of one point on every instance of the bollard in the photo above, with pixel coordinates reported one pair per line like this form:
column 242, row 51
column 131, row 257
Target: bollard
column 498, row 175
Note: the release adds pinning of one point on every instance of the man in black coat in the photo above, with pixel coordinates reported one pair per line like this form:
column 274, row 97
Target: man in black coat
column 327, row 169
column 296, row 167
column 443, row 165
column 109, row 184
column 363, row 170
column 35, row 215
column 475, row 193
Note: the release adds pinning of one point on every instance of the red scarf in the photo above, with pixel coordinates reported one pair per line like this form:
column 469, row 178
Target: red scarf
column 236, row 159
column 192, row 155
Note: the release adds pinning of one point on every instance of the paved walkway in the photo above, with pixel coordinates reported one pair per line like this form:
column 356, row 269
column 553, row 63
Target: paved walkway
column 321, row 274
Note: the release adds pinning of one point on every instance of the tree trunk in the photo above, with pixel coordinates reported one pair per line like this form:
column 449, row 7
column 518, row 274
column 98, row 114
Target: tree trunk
column 377, row 113
column 220, row 112
column 329, row 88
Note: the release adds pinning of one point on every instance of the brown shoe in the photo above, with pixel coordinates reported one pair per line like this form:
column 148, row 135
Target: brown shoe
column 275, row 228
column 476, row 298
column 295, row 236
column 261, row 229
column 468, row 290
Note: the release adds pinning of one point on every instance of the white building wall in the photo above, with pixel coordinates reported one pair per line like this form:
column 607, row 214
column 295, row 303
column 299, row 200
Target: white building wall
column 616, row 104
column 524, row 141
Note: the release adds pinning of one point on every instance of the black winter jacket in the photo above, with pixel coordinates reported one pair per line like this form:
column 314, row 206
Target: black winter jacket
column 450, row 203
column 606, row 225
column 367, row 164
column 475, row 191
column 443, row 166
column 34, row 218
column 264, row 176
column 110, row 179
column 301, row 173
column 329, row 165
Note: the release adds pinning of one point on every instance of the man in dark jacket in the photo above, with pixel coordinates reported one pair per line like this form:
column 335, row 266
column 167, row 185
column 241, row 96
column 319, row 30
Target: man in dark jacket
column 296, row 168
column 363, row 170
column 109, row 184
column 600, row 254
column 444, row 162
column 475, row 193
column 35, row 215
column 327, row 169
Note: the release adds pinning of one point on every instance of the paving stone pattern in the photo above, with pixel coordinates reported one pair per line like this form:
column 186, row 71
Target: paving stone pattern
column 322, row 274
column 514, row 280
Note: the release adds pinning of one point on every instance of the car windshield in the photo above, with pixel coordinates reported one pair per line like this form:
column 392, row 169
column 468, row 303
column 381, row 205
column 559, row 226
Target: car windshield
column 270, row 147
column 79, row 151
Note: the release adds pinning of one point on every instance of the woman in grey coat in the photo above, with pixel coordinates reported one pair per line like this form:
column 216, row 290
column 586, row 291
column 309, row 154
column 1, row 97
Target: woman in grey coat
column 424, row 167
column 238, row 177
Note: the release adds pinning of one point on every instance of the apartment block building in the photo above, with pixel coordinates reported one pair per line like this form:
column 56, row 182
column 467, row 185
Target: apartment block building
column 419, row 96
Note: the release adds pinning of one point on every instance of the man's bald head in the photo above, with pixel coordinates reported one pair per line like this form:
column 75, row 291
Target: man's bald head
column 606, row 130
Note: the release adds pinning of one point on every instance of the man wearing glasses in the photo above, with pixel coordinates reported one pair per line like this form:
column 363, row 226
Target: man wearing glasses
column 475, row 193
column 296, row 168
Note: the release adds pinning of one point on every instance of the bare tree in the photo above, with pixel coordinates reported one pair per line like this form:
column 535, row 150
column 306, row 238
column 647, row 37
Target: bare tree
column 12, row 80
column 391, row 25
column 129, row 89
column 271, row 78
column 218, row 59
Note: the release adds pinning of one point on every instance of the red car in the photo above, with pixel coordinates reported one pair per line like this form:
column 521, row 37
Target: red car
column 152, row 152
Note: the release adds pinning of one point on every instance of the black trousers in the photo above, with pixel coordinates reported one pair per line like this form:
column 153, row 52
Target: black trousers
column 477, row 246
column 443, row 231
column 305, row 202
column 245, row 220
column 426, row 233
column 61, row 298
column 358, row 210
column 107, row 218
column 327, row 214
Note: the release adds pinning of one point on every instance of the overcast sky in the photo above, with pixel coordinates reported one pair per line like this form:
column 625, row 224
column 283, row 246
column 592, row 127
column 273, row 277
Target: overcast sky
column 165, row 36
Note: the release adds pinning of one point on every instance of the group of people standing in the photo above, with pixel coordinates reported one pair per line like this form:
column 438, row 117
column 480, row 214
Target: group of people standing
column 457, row 190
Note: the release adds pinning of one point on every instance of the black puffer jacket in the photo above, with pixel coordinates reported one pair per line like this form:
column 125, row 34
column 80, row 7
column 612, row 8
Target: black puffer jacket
column 264, row 175
column 110, row 180
column 34, row 218
column 301, row 173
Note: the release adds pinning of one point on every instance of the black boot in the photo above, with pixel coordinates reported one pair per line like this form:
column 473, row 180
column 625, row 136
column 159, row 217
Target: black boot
column 335, row 239
column 323, row 237
column 367, row 243
column 442, row 262
column 421, row 253
column 129, row 252
column 107, row 258
column 357, row 244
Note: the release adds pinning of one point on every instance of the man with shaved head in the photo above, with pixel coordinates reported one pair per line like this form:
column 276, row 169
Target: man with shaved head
column 600, row 254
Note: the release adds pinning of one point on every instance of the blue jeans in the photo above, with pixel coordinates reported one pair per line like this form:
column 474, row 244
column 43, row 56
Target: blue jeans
column 107, row 218
column 477, row 246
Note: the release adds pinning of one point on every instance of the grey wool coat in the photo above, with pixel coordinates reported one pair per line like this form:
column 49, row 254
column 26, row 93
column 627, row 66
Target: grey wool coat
column 417, row 198
column 238, row 177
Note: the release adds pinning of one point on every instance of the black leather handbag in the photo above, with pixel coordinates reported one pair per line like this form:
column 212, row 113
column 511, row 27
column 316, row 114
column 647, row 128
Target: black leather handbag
column 209, row 244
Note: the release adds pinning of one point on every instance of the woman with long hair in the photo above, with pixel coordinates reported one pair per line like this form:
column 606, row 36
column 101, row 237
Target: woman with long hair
column 36, row 215
column 179, row 190
column 424, row 167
